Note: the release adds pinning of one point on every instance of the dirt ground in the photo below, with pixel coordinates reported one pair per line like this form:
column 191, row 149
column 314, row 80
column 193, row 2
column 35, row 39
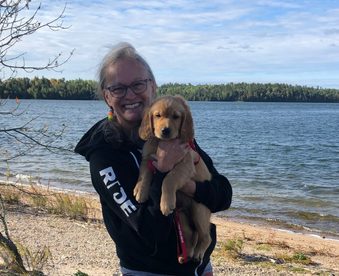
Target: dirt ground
column 242, row 249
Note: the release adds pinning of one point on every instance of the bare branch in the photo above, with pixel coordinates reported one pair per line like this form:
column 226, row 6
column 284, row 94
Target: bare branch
column 13, row 29
column 11, row 112
column 29, row 138
column 23, row 138
column 51, row 65
column 26, row 138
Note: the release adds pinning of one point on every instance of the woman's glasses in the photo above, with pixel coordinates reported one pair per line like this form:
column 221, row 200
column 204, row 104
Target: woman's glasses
column 137, row 87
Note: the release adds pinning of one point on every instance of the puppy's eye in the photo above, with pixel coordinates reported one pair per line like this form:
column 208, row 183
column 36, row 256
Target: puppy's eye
column 175, row 117
column 157, row 115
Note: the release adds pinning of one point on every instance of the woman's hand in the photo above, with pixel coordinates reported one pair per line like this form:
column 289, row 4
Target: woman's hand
column 170, row 153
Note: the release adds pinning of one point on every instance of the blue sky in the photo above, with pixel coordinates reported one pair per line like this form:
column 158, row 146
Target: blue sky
column 198, row 42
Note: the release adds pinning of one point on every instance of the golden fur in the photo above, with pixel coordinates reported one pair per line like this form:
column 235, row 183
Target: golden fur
column 169, row 117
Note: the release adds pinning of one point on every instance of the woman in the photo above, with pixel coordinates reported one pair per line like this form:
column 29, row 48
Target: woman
column 146, row 240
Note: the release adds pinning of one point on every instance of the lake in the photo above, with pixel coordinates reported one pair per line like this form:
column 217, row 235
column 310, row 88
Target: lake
column 282, row 159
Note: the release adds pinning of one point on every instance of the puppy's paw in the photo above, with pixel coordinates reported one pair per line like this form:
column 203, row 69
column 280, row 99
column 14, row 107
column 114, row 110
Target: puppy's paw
column 167, row 205
column 141, row 193
column 198, row 256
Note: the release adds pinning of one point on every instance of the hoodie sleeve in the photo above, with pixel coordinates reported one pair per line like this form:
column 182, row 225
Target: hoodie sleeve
column 114, row 174
column 217, row 193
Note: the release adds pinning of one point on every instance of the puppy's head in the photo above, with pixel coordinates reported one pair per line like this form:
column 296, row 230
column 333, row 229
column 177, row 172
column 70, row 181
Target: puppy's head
column 168, row 117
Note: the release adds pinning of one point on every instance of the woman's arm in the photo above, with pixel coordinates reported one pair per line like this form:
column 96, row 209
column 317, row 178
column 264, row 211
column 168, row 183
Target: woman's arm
column 215, row 194
column 114, row 175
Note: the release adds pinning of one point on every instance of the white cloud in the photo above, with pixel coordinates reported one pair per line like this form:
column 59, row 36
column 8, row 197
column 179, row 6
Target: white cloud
column 197, row 41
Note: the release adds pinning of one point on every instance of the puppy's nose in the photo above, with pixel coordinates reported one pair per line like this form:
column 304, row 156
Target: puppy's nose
column 166, row 131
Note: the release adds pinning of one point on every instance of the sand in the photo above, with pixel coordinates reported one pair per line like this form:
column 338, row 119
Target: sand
column 86, row 246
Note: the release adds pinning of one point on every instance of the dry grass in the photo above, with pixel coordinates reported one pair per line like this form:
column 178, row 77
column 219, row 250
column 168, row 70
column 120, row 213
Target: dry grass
column 233, row 247
column 268, row 251
column 70, row 205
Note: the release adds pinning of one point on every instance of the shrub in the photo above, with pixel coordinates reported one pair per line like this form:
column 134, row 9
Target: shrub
column 233, row 247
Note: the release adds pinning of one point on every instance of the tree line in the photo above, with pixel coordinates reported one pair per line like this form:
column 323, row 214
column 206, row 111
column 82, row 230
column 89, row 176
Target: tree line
column 43, row 88
column 251, row 92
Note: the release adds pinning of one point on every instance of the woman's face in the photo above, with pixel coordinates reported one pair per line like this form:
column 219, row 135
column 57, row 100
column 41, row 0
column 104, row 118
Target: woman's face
column 129, row 108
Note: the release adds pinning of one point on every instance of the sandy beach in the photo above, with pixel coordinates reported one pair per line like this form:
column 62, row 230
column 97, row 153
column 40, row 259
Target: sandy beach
column 85, row 245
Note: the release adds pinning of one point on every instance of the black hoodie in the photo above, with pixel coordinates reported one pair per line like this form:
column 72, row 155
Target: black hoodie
column 145, row 239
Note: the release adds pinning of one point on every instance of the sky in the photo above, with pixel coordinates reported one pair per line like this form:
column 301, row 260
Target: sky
column 197, row 42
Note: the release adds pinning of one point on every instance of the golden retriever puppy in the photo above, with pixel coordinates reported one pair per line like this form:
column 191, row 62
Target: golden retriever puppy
column 169, row 117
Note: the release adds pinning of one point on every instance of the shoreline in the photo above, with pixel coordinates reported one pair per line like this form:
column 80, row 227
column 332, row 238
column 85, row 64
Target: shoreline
column 86, row 246
column 271, row 226
column 291, row 229
column 257, row 222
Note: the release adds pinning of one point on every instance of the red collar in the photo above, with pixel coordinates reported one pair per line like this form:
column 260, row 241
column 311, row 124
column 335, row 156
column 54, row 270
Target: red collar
column 193, row 148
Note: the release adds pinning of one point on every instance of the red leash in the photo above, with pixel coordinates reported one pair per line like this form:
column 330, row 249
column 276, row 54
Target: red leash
column 180, row 235
column 177, row 224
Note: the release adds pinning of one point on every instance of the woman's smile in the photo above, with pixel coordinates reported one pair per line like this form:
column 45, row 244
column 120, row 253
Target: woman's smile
column 131, row 106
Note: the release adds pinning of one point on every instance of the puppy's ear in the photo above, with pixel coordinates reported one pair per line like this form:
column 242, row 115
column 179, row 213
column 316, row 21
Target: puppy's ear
column 146, row 127
column 187, row 126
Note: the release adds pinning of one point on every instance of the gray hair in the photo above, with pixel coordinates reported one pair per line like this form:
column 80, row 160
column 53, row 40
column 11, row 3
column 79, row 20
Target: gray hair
column 117, row 53
column 111, row 128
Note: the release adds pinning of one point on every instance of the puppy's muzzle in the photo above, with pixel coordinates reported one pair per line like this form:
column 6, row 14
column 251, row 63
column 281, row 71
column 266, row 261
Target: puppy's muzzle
column 166, row 131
